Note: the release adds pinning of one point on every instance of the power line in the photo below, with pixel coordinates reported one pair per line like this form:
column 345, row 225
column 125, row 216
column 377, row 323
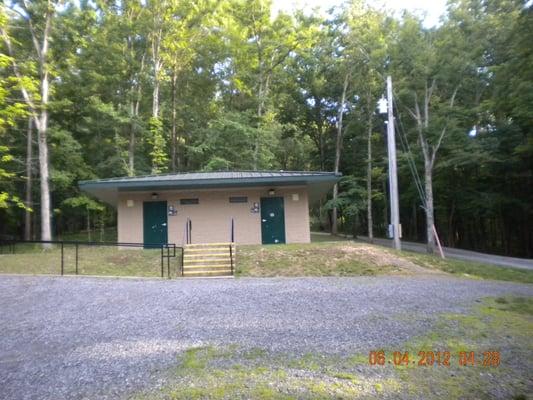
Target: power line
column 410, row 159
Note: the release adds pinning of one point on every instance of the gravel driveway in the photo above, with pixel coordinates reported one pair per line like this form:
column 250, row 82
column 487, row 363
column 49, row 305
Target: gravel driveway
column 102, row 338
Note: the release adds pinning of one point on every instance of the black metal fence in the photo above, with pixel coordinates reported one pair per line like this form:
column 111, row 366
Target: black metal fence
column 167, row 250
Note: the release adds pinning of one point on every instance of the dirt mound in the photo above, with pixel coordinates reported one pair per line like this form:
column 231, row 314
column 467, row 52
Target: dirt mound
column 382, row 257
column 346, row 259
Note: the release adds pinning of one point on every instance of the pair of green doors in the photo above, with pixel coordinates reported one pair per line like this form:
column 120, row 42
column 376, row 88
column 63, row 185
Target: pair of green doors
column 272, row 220
column 155, row 224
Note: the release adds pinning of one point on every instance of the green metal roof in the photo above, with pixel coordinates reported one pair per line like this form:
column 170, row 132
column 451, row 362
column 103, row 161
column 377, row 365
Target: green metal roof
column 107, row 189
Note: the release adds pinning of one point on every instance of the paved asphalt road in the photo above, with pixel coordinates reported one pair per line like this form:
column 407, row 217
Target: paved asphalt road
column 103, row 338
column 460, row 254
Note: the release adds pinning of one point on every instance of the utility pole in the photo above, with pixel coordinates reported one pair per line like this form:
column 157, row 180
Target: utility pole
column 393, row 174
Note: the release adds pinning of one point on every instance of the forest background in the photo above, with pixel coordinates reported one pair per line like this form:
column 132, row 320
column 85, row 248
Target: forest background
column 96, row 89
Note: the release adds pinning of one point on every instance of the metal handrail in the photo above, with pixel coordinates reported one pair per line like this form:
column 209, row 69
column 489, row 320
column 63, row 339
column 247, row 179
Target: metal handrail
column 168, row 246
column 188, row 231
column 232, row 241
column 231, row 256
column 185, row 239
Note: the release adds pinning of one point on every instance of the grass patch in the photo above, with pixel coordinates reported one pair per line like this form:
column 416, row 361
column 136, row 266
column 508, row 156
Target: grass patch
column 332, row 258
column 341, row 258
column 348, row 258
column 521, row 305
column 197, row 358
column 215, row 373
column 92, row 260
column 471, row 269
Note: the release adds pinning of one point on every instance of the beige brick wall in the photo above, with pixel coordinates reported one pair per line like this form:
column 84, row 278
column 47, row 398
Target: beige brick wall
column 211, row 218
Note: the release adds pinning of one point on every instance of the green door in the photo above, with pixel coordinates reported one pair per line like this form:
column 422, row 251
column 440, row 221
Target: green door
column 272, row 220
column 155, row 222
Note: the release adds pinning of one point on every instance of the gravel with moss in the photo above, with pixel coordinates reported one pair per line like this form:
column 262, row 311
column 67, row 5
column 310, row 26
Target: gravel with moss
column 301, row 337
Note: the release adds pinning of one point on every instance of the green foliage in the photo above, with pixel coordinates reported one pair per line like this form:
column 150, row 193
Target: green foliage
column 10, row 111
column 474, row 269
column 157, row 144
column 83, row 202
column 242, row 87
column 351, row 199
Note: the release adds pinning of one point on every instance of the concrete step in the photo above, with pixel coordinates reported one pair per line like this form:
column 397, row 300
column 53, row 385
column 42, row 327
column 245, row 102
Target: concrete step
column 203, row 245
column 207, row 273
column 208, row 250
column 219, row 263
column 201, row 254
column 208, row 259
column 204, row 266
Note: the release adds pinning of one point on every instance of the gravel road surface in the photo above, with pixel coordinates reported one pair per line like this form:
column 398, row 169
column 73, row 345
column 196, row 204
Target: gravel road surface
column 75, row 338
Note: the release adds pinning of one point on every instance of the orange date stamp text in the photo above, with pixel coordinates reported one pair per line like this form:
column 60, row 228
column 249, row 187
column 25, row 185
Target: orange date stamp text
column 430, row 358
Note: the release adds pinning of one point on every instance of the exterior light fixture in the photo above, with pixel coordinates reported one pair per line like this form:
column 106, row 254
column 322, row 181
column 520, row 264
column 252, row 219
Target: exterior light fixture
column 272, row 192
column 382, row 105
column 154, row 196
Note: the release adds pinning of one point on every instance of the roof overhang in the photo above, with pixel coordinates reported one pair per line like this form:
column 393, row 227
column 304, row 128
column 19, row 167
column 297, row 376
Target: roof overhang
column 318, row 184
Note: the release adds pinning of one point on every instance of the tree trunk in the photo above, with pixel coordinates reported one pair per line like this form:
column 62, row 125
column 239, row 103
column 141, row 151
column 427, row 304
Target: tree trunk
column 322, row 151
column 39, row 110
column 155, row 95
column 415, row 222
column 451, row 225
column 338, row 149
column 369, row 179
column 29, row 165
column 88, row 225
column 264, row 82
column 174, row 143
column 429, row 152
column 156, row 59
column 157, row 63
column 131, row 144
column 46, row 217
column 136, row 92
column 102, row 226
column 42, row 128
column 430, row 219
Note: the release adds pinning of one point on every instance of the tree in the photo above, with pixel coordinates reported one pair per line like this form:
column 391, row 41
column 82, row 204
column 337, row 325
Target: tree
column 429, row 83
column 134, row 87
column 260, row 47
column 367, row 36
column 39, row 17
column 86, row 204
column 188, row 24
column 9, row 112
